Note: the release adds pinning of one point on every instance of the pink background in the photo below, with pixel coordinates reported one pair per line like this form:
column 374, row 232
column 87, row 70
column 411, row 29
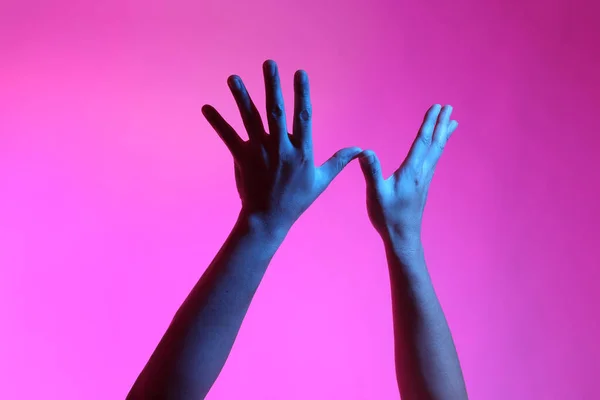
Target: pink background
column 115, row 194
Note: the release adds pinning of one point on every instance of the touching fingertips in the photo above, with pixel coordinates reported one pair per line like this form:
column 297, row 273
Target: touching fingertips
column 366, row 154
column 353, row 152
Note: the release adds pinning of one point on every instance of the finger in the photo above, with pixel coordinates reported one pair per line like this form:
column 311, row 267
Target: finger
column 227, row 134
column 451, row 128
column 302, row 112
column 422, row 142
column 336, row 163
column 440, row 137
column 275, row 108
column 250, row 115
column 371, row 168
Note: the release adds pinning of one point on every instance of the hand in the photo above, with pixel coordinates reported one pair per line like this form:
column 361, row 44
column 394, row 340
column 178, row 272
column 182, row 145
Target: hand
column 275, row 172
column 395, row 205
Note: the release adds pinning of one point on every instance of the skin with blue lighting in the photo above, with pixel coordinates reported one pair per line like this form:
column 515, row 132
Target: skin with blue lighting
column 277, row 181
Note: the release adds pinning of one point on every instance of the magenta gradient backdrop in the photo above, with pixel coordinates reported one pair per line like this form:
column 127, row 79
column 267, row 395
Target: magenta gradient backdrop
column 115, row 194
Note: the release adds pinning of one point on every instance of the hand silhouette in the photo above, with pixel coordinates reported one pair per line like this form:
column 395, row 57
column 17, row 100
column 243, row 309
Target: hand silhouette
column 395, row 205
column 275, row 172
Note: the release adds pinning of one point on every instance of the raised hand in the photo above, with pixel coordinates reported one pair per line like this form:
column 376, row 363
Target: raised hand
column 277, row 181
column 275, row 172
column 427, row 365
column 396, row 204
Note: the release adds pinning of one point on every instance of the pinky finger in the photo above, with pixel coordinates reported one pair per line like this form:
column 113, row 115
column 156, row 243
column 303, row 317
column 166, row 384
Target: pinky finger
column 452, row 127
column 433, row 157
column 227, row 134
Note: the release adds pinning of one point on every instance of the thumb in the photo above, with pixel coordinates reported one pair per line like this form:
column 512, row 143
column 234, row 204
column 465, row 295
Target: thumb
column 337, row 162
column 371, row 168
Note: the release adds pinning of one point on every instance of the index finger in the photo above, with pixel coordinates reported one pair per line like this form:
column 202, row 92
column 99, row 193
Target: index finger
column 422, row 143
column 227, row 134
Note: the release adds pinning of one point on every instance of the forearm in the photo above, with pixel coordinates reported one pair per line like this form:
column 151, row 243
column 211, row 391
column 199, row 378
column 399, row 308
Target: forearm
column 427, row 365
column 196, row 345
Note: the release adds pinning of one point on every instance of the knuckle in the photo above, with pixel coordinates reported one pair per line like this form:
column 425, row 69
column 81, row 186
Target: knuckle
column 305, row 114
column 425, row 139
column 411, row 169
column 440, row 144
column 276, row 110
column 412, row 177
column 375, row 168
column 418, row 181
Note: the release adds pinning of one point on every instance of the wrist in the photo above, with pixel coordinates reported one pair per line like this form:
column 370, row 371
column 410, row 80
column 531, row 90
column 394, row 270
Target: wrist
column 266, row 227
column 406, row 251
column 403, row 241
column 405, row 254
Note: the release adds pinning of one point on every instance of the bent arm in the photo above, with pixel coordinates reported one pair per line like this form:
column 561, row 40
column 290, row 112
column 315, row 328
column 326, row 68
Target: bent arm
column 427, row 365
column 196, row 345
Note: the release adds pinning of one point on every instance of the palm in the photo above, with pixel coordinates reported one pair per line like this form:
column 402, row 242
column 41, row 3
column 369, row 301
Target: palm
column 259, row 177
column 395, row 205
column 275, row 171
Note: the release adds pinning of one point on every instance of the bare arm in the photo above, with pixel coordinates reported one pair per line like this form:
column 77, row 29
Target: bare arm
column 277, row 181
column 427, row 365
column 194, row 349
